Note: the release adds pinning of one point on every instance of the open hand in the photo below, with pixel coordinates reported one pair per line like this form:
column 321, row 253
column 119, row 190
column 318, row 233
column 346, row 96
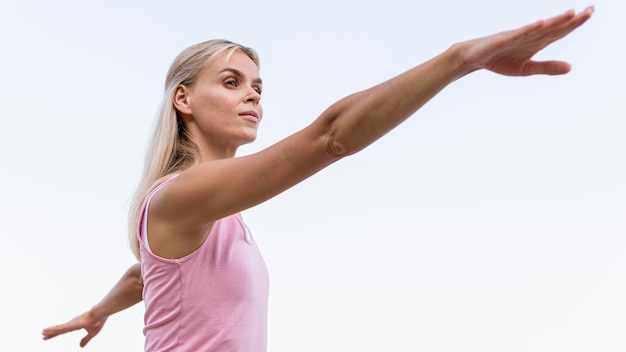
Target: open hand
column 510, row 53
column 83, row 321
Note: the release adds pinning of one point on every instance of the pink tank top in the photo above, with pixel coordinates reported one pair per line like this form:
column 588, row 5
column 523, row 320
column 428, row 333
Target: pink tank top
column 214, row 299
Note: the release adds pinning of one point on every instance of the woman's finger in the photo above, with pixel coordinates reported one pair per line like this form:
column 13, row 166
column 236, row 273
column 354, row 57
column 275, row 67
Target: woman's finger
column 552, row 67
column 53, row 331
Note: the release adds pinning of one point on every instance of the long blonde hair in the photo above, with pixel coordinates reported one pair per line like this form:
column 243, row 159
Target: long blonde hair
column 172, row 149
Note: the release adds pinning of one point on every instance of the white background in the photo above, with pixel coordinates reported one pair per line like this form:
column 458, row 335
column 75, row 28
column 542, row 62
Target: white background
column 493, row 220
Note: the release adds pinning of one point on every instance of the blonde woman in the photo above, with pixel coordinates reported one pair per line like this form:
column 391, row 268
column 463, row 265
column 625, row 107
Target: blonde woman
column 200, row 274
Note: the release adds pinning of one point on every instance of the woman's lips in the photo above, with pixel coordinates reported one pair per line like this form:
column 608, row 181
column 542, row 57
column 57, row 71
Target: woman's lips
column 250, row 115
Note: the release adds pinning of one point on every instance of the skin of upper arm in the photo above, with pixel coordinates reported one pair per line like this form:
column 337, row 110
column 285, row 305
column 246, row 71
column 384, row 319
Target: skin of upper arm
column 211, row 190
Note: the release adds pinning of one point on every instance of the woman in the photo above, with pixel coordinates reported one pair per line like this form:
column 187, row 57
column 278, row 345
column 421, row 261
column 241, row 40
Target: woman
column 201, row 275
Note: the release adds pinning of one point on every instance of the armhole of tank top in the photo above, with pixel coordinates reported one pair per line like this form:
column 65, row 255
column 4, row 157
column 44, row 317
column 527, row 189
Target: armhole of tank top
column 143, row 233
column 244, row 226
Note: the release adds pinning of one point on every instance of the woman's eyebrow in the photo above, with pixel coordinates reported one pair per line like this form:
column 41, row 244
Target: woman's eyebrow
column 238, row 73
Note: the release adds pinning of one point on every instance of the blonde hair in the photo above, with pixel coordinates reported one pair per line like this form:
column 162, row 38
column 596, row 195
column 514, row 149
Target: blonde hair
column 172, row 149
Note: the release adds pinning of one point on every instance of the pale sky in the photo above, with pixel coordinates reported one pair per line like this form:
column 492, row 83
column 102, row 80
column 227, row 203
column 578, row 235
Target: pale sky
column 493, row 220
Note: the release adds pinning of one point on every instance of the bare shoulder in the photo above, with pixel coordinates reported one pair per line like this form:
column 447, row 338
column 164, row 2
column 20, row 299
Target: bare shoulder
column 170, row 233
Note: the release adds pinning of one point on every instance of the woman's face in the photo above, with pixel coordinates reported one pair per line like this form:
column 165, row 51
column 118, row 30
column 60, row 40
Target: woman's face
column 223, row 107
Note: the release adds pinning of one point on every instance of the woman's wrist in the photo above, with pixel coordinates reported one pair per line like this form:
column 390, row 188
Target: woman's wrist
column 97, row 313
column 457, row 53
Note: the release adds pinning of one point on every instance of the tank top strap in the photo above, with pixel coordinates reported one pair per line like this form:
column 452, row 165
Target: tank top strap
column 143, row 225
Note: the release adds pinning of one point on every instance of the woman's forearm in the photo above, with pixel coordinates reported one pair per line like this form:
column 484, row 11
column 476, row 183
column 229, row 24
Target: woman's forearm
column 359, row 119
column 356, row 121
column 126, row 293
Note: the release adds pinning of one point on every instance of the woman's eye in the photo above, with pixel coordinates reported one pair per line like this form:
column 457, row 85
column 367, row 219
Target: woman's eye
column 231, row 83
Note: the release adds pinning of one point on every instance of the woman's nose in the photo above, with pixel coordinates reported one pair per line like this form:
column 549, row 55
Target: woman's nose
column 253, row 95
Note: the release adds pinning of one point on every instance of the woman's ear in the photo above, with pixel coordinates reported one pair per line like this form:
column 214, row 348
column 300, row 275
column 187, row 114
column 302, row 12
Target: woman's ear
column 181, row 100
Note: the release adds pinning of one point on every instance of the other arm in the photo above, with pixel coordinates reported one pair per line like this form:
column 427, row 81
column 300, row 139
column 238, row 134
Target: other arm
column 126, row 293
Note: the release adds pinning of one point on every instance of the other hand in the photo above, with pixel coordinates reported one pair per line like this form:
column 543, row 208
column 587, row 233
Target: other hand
column 83, row 321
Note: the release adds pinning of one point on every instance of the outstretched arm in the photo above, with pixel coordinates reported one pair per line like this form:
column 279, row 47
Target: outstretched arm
column 189, row 202
column 126, row 293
